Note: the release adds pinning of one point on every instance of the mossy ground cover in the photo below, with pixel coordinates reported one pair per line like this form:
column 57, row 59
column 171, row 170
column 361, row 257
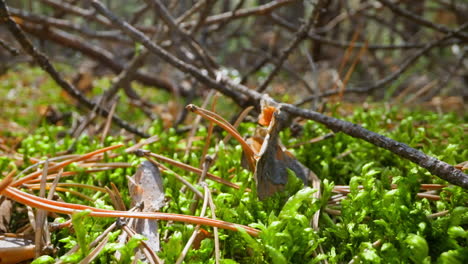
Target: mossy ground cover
column 381, row 220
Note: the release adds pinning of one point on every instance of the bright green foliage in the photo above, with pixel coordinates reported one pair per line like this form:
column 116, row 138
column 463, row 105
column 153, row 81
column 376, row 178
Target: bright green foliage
column 78, row 220
column 44, row 260
column 377, row 224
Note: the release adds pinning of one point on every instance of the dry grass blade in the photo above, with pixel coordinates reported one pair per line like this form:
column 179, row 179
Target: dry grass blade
column 193, row 169
column 48, row 186
column 108, row 122
column 70, row 173
column 314, row 140
column 52, row 187
column 6, row 181
column 117, row 198
column 150, row 254
column 177, row 176
column 209, row 133
column 142, row 143
column 196, row 123
column 351, row 69
column 316, row 185
column 241, row 117
column 92, row 244
column 438, row 214
column 95, row 252
column 224, row 124
column 41, row 220
column 105, row 165
column 206, row 166
column 189, row 243
column 76, row 193
column 215, row 230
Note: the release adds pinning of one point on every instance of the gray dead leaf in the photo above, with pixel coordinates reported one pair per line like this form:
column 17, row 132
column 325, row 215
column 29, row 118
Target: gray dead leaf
column 5, row 214
column 273, row 159
column 146, row 188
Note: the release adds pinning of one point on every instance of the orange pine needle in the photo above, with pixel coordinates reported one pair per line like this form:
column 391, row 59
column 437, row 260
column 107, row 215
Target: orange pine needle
column 69, row 208
column 63, row 164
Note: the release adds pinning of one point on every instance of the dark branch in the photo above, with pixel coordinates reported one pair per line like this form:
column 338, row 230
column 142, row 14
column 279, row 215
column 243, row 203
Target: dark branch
column 345, row 44
column 417, row 19
column 392, row 77
column 44, row 63
column 138, row 36
column 439, row 168
column 241, row 93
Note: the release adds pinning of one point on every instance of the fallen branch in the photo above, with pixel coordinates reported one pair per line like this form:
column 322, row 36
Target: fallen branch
column 241, row 94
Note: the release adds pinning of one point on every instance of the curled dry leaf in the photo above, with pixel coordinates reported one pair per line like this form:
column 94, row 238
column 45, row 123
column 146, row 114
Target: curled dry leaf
column 263, row 153
column 272, row 159
column 266, row 115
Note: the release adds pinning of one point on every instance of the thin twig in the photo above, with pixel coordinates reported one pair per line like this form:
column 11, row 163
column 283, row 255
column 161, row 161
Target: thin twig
column 344, row 44
column 13, row 51
column 197, row 49
column 258, row 10
column 108, row 122
column 299, row 36
column 177, row 176
column 405, row 65
column 158, row 50
column 420, row 20
column 95, row 252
